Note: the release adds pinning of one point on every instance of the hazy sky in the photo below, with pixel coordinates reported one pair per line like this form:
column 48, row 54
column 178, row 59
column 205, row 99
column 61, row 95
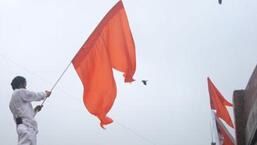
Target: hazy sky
column 178, row 42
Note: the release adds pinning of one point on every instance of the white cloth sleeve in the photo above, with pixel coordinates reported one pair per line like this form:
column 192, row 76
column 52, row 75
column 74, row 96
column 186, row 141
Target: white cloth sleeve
column 30, row 96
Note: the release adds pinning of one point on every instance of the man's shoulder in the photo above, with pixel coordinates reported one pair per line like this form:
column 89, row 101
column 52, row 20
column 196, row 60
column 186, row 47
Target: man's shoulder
column 17, row 95
column 19, row 91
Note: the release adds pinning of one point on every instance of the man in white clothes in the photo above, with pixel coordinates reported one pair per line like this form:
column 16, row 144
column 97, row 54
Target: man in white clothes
column 23, row 112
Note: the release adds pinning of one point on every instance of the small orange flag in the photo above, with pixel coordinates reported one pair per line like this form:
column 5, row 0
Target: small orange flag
column 219, row 103
column 224, row 135
column 111, row 45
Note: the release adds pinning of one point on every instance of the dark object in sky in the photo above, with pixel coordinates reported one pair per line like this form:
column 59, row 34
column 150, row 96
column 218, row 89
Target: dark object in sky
column 220, row 2
column 144, row 82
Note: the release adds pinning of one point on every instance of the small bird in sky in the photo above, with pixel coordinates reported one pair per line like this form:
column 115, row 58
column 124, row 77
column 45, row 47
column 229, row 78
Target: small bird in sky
column 144, row 82
column 220, row 2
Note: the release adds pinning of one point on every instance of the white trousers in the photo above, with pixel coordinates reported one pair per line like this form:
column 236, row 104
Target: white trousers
column 26, row 135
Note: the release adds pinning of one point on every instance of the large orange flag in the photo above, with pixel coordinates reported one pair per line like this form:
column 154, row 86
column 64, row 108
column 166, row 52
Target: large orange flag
column 110, row 46
column 219, row 103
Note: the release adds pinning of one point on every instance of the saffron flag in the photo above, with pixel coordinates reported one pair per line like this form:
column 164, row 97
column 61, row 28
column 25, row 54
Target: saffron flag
column 111, row 45
column 214, row 132
column 219, row 103
column 224, row 136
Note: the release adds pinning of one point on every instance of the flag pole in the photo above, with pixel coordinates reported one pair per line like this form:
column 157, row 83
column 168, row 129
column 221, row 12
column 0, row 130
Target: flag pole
column 211, row 127
column 58, row 80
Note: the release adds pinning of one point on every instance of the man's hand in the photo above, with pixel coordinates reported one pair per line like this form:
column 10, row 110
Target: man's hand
column 38, row 108
column 48, row 93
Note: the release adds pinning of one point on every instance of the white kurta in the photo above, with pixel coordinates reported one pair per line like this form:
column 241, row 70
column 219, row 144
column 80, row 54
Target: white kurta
column 20, row 106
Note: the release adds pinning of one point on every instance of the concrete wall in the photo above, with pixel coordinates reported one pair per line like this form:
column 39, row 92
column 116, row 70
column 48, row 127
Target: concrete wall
column 245, row 110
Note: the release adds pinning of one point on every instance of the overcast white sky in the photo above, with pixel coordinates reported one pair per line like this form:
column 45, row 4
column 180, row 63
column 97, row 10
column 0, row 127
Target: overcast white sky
column 178, row 42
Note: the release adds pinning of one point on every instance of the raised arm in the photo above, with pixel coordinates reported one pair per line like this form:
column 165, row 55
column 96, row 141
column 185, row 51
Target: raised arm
column 30, row 96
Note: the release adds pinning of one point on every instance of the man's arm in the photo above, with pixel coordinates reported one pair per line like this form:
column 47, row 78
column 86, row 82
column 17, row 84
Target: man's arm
column 30, row 96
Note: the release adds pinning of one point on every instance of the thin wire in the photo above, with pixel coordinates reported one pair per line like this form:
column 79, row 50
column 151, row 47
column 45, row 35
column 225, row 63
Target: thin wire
column 21, row 66
column 42, row 79
column 29, row 71
column 135, row 133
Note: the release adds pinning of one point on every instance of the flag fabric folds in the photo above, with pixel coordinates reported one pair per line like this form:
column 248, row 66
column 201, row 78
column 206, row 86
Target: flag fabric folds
column 215, row 134
column 110, row 46
column 224, row 134
column 219, row 103
column 221, row 135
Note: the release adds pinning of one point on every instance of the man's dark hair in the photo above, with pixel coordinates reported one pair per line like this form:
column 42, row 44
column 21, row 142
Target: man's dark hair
column 18, row 82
